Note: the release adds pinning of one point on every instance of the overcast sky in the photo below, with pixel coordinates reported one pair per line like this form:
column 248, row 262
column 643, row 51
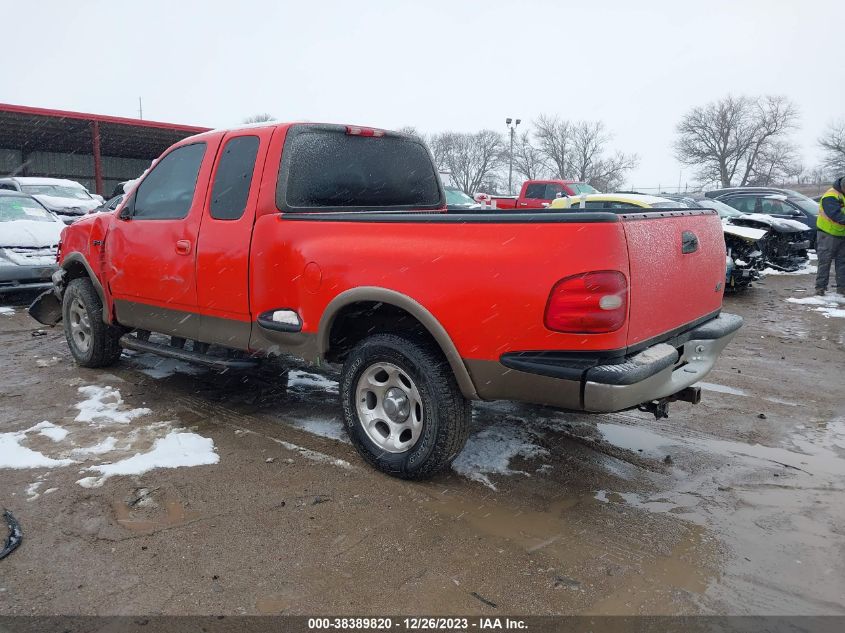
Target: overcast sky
column 437, row 65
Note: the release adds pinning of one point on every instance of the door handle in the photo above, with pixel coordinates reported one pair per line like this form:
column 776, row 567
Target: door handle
column 183, row 247
column 523, row 204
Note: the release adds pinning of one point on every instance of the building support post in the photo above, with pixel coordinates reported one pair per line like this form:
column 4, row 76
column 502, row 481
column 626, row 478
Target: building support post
column 98, row 164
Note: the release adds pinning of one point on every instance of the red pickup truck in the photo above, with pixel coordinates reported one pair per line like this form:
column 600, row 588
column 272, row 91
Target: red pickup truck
column 537, row 194
column 332, row 243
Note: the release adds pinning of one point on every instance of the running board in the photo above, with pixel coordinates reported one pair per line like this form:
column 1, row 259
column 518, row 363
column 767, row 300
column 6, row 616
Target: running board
column 128, row 341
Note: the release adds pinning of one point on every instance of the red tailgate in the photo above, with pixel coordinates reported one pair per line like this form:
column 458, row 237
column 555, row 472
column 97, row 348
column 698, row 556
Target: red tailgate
column 670, row 288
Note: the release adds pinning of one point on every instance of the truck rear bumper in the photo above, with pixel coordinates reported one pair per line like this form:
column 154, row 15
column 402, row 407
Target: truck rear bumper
column 586, row 382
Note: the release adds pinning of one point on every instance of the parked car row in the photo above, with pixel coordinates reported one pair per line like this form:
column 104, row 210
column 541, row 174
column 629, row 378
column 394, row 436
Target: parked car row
column 29, row 239
column 764, row 227
column 67, row 199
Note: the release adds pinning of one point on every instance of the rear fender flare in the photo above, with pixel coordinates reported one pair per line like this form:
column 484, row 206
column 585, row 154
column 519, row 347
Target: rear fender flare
column 417, row 310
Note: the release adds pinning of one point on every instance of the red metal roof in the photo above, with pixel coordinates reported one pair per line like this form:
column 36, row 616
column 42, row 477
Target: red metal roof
column 66, row 114
column 31, row 129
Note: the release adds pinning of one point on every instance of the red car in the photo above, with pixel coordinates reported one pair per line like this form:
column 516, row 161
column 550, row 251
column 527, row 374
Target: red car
column 537, row 194
column 332, row 243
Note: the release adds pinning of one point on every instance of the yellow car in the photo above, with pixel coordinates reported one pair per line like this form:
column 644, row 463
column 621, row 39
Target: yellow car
column 615, row 201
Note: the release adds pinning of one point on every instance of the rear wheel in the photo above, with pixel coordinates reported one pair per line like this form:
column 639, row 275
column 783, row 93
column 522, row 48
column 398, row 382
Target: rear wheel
column 92, row 342
column 403, row 409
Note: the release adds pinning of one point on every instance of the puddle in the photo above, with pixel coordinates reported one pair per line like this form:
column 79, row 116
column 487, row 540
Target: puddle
column 777, row 508
column 815, row 455
column 159, row 367
column 637, row 439
column 783, row 402
column 566, row 542
column 658, row 505
column 132, row 519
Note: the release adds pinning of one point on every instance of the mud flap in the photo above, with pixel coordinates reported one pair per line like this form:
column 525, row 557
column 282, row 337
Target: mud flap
column 46, row 308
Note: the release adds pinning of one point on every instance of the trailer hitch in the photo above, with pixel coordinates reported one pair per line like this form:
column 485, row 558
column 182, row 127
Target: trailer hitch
column 660, row 408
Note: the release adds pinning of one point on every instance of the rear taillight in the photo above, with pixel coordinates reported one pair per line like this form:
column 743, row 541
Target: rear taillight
column 354, row 130
column 588, row 303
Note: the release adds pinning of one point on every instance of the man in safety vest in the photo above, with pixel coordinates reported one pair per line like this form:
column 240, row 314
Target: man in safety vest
column 830, row 237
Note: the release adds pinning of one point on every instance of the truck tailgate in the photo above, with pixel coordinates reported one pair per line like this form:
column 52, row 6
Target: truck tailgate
column 677, row 270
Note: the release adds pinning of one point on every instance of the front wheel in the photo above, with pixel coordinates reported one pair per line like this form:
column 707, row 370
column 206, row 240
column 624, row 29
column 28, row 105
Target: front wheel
column 403, row 409
column 92, row 342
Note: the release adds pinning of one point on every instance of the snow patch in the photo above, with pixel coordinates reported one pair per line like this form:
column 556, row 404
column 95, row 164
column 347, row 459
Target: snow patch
column 491, row 450
column 831, row 312
column 330, row 428
column 806, row 269
column 48, row 429
column 177, row 449
column 100, row 448
column 832, row 305
column 13, row 455
column 298, row 378
column 103, row 405
column 7, row 311
column 32, row 491
column 709, row 386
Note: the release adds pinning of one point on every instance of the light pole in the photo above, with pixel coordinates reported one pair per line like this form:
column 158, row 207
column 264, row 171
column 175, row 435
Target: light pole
column 512, row 127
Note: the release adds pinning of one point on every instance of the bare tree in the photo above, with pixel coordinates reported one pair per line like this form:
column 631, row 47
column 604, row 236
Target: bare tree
column 588, row 141
column 440, row 146
column 528, row 159
column 608, row 174
column 471, row 158
column 777, row 162
column 818, row 175
column 726, row 139
column 410, row 130
column 833, row 145
column 589, row 163
column 577, row 150
column 260, row 118
column 554, row 136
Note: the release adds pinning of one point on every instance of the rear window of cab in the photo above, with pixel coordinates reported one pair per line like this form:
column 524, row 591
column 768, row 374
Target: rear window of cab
column 327, row 167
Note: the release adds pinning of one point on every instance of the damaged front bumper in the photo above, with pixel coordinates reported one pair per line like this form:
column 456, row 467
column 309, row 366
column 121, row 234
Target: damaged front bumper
column 47, row 307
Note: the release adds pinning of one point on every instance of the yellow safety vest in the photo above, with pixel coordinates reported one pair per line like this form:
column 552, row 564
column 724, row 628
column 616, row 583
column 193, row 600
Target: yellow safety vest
column 824, row 223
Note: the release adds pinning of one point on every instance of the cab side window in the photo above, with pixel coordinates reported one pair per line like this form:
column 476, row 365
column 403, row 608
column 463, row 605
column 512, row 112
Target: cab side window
column 773, row 206
column 552, row 191
column 233, row 178
column 168, row 190
column 535, row 192
column 745, row 205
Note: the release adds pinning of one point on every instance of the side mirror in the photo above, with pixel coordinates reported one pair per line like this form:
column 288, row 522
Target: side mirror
column 127, row 210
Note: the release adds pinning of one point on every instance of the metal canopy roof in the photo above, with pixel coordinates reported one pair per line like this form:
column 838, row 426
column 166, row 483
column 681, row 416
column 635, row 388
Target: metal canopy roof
column 38, row 129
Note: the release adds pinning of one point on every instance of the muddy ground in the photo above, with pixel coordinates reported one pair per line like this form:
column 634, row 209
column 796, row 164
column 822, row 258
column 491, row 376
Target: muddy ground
column 734, row 506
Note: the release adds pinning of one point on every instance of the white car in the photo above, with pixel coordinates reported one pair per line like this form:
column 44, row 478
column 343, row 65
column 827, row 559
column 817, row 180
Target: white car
column 29, row 239
column 66, row 198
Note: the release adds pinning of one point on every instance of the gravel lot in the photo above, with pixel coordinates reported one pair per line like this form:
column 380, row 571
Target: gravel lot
column 734, row 506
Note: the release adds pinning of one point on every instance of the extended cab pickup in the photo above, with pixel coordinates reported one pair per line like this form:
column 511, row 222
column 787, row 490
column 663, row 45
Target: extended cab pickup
column 538, row 194
column 331, row 243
